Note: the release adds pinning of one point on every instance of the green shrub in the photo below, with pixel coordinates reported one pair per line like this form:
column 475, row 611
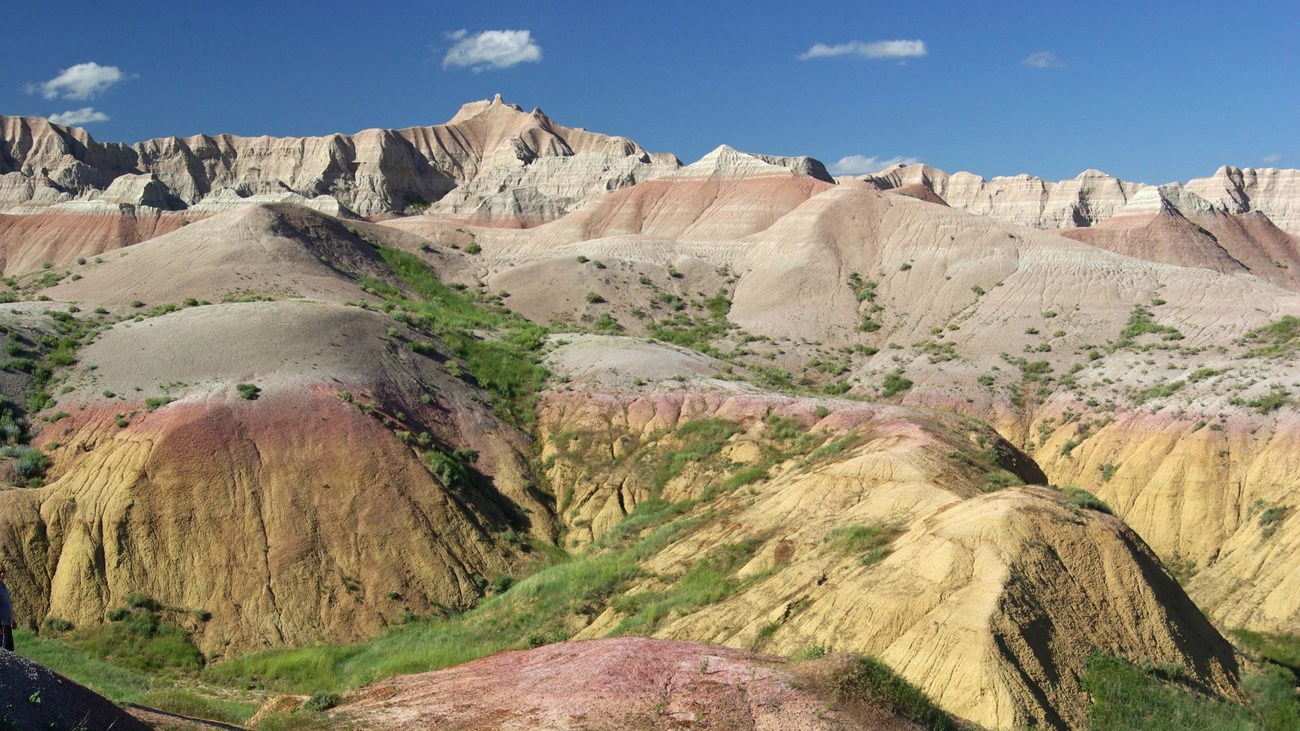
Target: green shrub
column 156, row 402
column 31, row 463
column 248, row 391
column 1277, row 339
column 137, row 600
column 895, row 383
column 322, row 701
column 473, row 248
column 56, row 624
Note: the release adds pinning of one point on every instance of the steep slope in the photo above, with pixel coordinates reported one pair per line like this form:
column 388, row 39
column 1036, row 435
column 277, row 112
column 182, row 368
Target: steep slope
column 1048, row 338
column 1171, row 225
column 990, row 599
column 1273, row 192
column 296, row 510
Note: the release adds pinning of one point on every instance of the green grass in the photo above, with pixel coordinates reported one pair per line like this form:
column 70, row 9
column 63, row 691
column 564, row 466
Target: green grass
column 1081, row 498
column 1141, row 323
column 189, row 703
column 700, row 440
column 120, row 684
column 708, row 581
column 173, row 692
column 871, row 681
column 895, row 384
column 537, row 605
column 1280, row 648
column 531, row 612
column 1164, row 390
column 1276, row 340
column 500, row 348
column 1126, row 697
column 140, row 641
column 870, row 543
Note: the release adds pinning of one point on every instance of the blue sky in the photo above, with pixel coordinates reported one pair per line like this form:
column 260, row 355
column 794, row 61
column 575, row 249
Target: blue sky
column 1151, row 92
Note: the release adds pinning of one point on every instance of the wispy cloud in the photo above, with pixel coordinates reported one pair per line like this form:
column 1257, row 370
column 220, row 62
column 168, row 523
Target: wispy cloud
column 491, row 49
column 875, row 50
column 1042, row 60
column 1272, row 158
column 862, row 165
column 79, row 82
column 85, row 115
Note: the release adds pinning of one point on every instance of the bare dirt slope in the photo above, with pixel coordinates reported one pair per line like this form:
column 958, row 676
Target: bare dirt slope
column 60, row 238
column 265, row 250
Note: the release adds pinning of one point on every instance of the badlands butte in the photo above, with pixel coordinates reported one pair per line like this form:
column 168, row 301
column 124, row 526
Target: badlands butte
column 318, row 425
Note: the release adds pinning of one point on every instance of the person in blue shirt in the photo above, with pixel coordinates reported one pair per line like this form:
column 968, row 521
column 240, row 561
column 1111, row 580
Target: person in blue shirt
column 6, row 614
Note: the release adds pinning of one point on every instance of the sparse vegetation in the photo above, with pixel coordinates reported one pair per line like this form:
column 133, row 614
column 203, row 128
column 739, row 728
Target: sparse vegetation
column 1081, row 498
column 499, row 347
column 1277, row 340
column 870, row 543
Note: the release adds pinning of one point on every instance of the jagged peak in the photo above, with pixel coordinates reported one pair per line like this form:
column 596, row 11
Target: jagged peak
column 473, row 109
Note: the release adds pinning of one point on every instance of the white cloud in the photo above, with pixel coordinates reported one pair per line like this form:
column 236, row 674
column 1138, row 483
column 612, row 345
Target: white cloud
column 1271, row 158
column 85, row 115
column 1042, row 60
column 497, row 49
column 876, row 50
column 862, row 165
column 82, row 81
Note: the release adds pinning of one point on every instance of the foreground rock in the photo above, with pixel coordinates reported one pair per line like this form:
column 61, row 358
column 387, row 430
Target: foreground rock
column 612, row 685
column 33, row 697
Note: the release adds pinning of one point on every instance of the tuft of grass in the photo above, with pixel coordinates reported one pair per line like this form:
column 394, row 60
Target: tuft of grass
column 1276, row 340
column 869, row 542
column 1140, row 322
column 1081, row 498
column 700, row 439
column 115, row 682
column 188, row 703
